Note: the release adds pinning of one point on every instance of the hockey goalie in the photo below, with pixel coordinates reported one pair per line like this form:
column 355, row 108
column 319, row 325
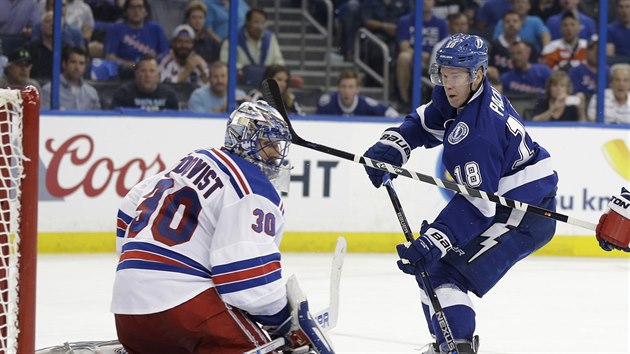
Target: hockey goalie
column 199, row 265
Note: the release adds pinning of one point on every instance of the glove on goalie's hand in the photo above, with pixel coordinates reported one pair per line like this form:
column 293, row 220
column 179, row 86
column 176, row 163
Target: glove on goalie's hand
column 391, row 148
column 296, row 339
column 425, row 250
column 613, row 229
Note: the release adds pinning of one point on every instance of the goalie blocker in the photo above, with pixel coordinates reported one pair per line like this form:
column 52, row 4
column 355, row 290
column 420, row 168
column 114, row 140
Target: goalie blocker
column 613, row 230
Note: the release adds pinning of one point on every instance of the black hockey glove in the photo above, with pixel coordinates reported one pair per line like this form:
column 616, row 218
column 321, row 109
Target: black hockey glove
column 391, row 148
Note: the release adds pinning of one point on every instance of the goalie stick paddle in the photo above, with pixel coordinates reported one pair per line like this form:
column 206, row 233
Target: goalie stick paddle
column 424, row 277
column 327, row 318
column 271, row 94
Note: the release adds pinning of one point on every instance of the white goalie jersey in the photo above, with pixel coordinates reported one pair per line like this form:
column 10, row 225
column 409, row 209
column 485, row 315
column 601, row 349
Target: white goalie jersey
column 213, row 220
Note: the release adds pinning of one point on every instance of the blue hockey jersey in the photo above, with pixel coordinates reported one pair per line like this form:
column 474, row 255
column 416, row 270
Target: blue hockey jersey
column 485, row 147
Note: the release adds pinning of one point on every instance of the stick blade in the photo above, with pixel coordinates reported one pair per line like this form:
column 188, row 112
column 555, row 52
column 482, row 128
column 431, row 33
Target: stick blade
column 271, row 93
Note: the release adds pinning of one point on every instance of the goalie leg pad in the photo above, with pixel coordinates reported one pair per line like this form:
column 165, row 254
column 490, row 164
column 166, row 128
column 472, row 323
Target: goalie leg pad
column 306, row 323
column 312, row 330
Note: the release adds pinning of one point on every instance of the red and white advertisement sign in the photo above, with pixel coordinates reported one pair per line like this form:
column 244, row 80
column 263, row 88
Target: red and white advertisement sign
column 87, row 164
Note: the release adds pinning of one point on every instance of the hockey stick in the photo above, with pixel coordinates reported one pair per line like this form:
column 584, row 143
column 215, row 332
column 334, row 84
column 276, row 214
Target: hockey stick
column 424, row 277
column 271, row 94
column 326, row 318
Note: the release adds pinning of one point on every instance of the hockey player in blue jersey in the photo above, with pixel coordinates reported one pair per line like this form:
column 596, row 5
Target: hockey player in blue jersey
column 472, row 243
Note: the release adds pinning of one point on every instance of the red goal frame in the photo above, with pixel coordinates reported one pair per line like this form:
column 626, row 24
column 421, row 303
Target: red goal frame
column 27, row 226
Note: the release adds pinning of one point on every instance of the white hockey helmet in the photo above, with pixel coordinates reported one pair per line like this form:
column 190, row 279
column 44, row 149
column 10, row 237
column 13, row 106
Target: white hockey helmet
column 258, row 133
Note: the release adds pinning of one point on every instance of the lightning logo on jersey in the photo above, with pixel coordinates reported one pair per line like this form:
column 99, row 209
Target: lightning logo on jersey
column 492, row 234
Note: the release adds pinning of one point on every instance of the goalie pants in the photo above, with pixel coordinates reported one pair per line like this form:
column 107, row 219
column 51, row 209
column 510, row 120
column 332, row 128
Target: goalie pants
column 203, row 324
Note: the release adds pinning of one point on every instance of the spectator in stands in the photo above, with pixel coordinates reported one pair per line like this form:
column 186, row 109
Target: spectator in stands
column 168, row 13
column 348, row 101
column 80, row 15
column 74, row 93
column 381, row 18
column 533, row 29
column 17, row 19
column 457, row 23
column 41, row 50
column 489, row 14
column 584, row 76
column 70, row 35
column 499, row 55
column 545, row 8
column 181, row 63
column 106, row 11
column 619, row 32
column 17, row 72
column 587, row 24
column 145, row 91
column 433, row 30
column 559, row 103
column 213, row 98
column 282, row 75
column 616, row 98
column 570, row 50
column 135, row 37
column 348, row 15
column 494, row 77
column 204, row 44
column 443, row 8
column 257, row 48
column 218, row 17
column 525, row 77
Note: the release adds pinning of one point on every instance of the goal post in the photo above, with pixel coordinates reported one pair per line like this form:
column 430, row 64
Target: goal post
column 19, row 145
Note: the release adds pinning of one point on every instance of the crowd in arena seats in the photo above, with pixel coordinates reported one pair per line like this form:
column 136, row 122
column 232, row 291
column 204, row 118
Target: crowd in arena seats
column 172, row 54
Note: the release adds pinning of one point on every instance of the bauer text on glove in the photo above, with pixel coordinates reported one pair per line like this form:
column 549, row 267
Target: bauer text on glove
column 424, row 251
column 391, row 148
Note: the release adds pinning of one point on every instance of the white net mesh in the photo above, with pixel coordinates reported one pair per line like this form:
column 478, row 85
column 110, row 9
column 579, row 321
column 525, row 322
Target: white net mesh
column 11, row 173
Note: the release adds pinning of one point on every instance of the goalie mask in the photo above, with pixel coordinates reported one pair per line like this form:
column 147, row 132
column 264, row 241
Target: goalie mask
column 258, row 133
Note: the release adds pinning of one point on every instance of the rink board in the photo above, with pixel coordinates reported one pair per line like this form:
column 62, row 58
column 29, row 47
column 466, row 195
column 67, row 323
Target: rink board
column 88, row 163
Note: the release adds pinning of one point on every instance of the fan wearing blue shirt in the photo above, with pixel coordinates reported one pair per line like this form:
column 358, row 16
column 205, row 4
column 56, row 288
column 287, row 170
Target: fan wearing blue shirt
column 348, row 102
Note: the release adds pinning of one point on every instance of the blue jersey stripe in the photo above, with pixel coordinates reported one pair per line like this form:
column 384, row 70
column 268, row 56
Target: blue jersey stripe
column 124, row 217
column 250, row 283
column 122, row 223
column 245, row 264
column 148, row 247
column 226, row 169
column 149, row 265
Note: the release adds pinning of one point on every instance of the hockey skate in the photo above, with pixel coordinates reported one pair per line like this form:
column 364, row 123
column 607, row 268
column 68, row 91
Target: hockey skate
column 462, row 347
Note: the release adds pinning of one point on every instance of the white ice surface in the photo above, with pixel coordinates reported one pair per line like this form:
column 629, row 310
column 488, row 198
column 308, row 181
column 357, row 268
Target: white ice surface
column 543, row 305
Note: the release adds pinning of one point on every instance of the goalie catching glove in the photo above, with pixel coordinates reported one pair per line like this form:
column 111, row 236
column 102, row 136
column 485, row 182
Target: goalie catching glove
column 391, row 148
column 425, row 250
column 300, row 331
column 613, row 229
